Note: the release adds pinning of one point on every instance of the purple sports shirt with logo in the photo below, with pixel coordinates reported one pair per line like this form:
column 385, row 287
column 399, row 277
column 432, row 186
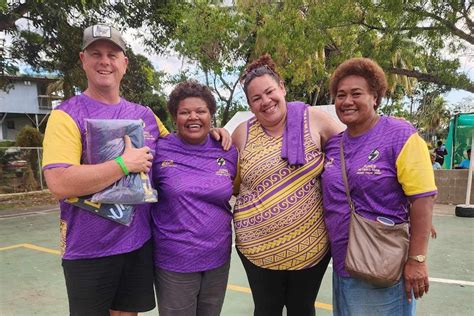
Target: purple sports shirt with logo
column 386, row 167
column 86, row 235
column 192, row 220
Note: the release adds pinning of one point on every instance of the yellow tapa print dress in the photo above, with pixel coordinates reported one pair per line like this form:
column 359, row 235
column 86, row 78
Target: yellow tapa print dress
column 278, row 213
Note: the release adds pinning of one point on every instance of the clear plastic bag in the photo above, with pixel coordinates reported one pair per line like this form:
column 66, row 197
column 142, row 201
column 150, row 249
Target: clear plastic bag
column 105, row 141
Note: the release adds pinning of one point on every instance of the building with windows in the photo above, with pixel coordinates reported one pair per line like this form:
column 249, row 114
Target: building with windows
column 25, row 102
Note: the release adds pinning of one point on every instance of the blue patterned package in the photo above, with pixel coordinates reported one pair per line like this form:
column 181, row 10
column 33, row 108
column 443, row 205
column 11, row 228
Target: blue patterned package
column 105, row 142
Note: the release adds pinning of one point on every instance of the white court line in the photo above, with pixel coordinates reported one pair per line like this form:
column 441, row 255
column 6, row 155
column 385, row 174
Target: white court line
column 435, row 280
column 444, row 215
column 448, row 281
column 39, row 212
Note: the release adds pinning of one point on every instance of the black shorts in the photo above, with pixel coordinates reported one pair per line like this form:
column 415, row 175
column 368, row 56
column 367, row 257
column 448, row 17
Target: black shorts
column 121, row 282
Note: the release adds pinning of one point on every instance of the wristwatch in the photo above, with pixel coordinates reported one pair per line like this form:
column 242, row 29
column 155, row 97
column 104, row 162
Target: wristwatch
column 419, row 258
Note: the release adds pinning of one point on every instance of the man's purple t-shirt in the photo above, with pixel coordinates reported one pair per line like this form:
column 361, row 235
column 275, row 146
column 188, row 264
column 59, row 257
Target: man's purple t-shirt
column 371, row 162
column 192, row 219
column 86, row 235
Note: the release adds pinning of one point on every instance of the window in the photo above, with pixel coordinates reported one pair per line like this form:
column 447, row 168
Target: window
column 11, row 124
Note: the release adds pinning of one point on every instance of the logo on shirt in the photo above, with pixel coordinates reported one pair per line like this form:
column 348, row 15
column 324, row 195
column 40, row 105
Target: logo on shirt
column 220, row 161
column 223, row 172
column 329, row 162
column 373, row 155
column 369, row 169
column 148, row 136
column 167, row 163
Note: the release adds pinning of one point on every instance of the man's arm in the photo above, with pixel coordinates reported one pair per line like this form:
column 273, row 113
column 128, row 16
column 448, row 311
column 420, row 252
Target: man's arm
column 73, row 181
column 221, row 134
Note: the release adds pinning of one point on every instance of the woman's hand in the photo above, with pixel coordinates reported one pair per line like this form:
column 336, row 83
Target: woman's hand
column 416, row 279
column 416, row 273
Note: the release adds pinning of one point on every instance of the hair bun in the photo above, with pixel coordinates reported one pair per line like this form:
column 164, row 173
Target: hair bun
column 263, row 60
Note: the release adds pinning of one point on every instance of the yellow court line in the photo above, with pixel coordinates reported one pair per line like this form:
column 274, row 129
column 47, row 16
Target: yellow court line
column 323, row 306
column 238, row 288
column 229, row 286
column 12, row 247
column 42, row 249
column 32, row 247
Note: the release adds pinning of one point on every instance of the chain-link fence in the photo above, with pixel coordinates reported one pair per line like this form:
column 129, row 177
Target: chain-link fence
column 20, row 169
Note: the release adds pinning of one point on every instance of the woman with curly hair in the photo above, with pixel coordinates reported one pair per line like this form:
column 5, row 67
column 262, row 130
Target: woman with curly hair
column 192, row 220
column 390, row 180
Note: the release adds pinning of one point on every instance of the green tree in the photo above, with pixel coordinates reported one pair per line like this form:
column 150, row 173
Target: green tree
column 217, row 42
column 49, row 36
column 308, row 39
column 409, row 39
column 397, row 109
column 50, row 39
column 432, row 117
column 142, row 84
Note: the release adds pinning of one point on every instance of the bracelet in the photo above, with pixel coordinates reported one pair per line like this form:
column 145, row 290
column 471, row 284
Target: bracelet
column 119, row 161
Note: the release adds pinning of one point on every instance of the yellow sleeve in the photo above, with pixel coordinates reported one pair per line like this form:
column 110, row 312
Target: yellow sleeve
column 62, row 140
column 414, row 169
column 161, row 127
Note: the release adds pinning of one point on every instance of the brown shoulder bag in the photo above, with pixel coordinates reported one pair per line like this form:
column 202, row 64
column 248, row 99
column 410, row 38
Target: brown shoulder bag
column 376, row 252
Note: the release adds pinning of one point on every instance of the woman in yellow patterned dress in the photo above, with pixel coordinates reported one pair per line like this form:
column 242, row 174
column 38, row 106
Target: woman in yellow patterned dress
column 280, row 233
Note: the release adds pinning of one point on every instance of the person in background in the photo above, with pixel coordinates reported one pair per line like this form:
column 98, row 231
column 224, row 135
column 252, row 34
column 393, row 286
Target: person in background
column 440, row 152
column 390, row 175
column 466, row 162
column 192, row 219
column 108, row 267
column 280, row 233
column 435, row 164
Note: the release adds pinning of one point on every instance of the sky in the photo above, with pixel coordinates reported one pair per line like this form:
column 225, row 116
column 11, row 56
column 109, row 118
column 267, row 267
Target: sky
column 467, row 66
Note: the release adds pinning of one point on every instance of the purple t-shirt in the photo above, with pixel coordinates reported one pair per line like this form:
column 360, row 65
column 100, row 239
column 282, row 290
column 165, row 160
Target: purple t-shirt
column 192, row 219
column 83, row 234
column 386, row 166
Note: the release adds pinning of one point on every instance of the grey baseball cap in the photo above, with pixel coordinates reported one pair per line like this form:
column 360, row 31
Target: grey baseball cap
column 102, row 32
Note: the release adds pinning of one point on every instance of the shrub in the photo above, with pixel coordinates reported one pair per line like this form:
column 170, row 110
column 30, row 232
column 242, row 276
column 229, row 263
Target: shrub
column 29, row 137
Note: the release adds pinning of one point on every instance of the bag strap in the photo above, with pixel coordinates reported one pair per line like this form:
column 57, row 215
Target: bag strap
column 344, row 175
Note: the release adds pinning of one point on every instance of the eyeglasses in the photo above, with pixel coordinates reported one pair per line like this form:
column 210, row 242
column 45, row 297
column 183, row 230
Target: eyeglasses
column 256, row 72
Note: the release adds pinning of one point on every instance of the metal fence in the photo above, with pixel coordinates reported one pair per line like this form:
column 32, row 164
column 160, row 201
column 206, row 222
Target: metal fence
column 20, row 169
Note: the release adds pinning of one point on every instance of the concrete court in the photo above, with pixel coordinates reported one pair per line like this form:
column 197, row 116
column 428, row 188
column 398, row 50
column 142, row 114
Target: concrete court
column 31, row 279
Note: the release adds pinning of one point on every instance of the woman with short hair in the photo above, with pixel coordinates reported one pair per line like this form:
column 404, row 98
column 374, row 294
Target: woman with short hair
column 390, row 179
column 192, row 220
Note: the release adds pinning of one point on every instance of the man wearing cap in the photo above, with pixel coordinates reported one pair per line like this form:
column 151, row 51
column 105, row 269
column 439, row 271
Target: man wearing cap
column 107, row 266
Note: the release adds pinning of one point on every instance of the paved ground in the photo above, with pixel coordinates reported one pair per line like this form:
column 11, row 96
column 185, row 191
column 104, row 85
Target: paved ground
column 31, row 280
